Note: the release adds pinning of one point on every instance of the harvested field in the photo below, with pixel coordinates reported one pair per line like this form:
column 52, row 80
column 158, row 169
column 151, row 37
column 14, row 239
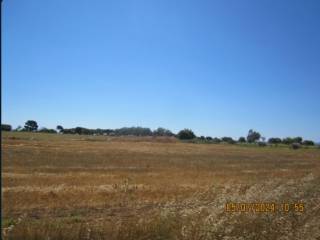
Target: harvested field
column 77, row 187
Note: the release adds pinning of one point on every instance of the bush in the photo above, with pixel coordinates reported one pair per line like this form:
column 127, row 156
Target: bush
column 162, row 132
column 216, row 140
column 297, row 140
column 274, row 140
column 241, row 140
column 288, row 140
column 295, row 145
column 31, row 125
column 59, row 128
column 134, row 131
column 308, row 143
column 186, row 134
column 228, row 140
column 6, row 127
column 46, row 130
column 253, row 136
column 262, row 144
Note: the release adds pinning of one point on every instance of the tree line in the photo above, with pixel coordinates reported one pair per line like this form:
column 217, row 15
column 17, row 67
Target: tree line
column 185, row 134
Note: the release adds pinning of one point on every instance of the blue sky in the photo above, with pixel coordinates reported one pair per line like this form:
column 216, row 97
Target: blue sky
column 217, row 67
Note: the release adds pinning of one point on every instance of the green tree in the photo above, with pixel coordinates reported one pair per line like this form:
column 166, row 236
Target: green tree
column 288, row 140
column 228, row 140
column 274, row 140
column 162, row 132
column 59, row 128
column 46, row 130
column 308, row 143
column 6, row 127
column 31, row 125
column 216, row 140
column 253, row 136
column 297, row 140
column 186, row 134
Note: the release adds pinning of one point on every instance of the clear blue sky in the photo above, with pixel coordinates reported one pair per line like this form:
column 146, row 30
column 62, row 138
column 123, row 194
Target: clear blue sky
column 217, row 67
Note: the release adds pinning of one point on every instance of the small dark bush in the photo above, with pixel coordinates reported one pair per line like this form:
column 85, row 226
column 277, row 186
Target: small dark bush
column 262, row 144
column 228, row 140
column 186, row 134
column 253, row 136
column 46, row 130
column 6, row 127
column 308, row 143
column 31, row 126
column 216, row 140
column 295, row 145
column 274, row 140
column 288, row 140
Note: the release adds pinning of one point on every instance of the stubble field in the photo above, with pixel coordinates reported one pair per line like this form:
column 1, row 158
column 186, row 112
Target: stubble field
column 81, row 187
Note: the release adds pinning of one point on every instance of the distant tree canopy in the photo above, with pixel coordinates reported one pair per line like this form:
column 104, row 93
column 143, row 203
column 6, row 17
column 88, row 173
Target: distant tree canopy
column 216, row 140
column 274, row 140
column 6, row 127
column 134, row 131
column 228, row 140
column 46, row 130
column 289, row 140
column 253, row 136
column 162, row 132
column 59, row 128
column 82, row 131
column 308, row 143
column 186, row 134
column 125, row 131
column 297, row 140
column 31, row 125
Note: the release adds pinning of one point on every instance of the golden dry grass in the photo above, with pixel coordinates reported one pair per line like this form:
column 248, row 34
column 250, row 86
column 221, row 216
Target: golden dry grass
column 80, row 187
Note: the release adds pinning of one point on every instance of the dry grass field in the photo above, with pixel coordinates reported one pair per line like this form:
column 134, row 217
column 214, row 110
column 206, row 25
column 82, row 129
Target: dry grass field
column 81, row 187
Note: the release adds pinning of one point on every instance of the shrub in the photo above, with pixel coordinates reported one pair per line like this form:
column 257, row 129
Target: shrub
column 31, row 125
column 288, row 140
column 241, row 140
column 262, row 144
column 297, row 140
column 59, row 128
column 274, row 140
column 6, row 127
column 186, row 134
column 308, row 143
column 216, row 140
column 162, row 132
column 253, row 136
column 295, row 145
column 228, row 140
column 46, row 130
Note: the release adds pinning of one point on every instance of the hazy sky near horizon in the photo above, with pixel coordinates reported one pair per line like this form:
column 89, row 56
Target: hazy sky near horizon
column 217, row 67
